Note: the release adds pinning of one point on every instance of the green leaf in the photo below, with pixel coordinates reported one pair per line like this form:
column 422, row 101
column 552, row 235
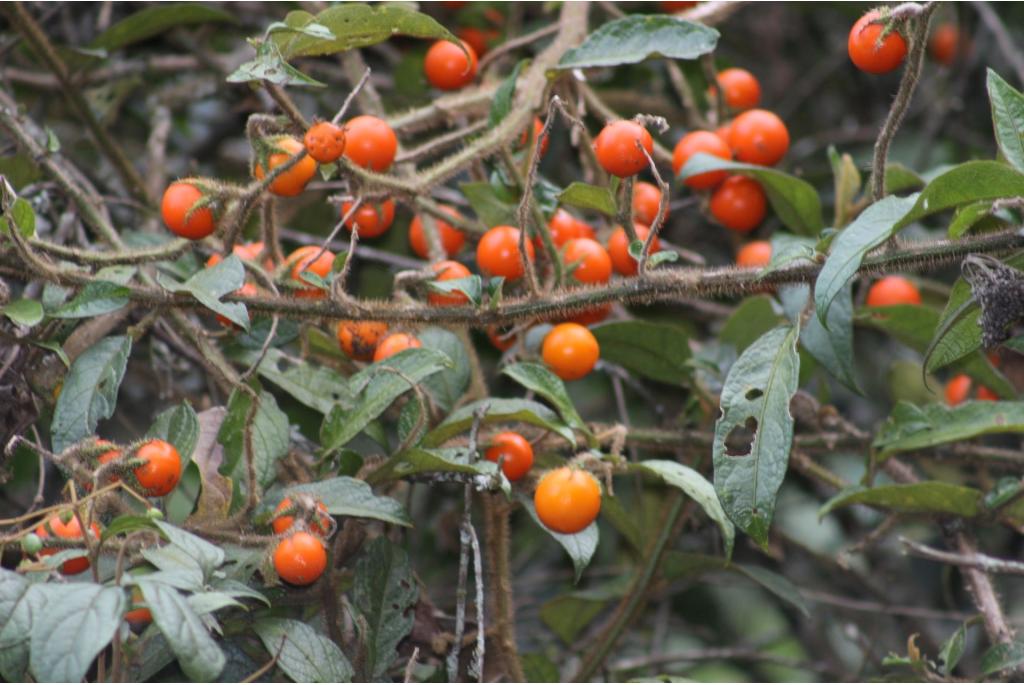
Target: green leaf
column 538, row 668
column 780, row 586
column 270, row 439
column 754, row 317
column 318, row 387
column 586, row 196
column 198, row 655
column 270, row 66
column 499, row 410
column 794, row 200
column 450, row 383
column 832, row 347
column 356, row 25
column 677, row 565
column 914, row 325
column 127, row 523
column 416, row 460
column 869, row 230
column 537, row 378
column 19, row 602
column 953, row 649
column 344, row 496
column 788, row 249
column 502, row 102
column 208, row 556
column 77, row 624
column 471, row 286
column 303, row 654
column 376, row 389
column 568, row 614
column 758, row 389
column 384, row 592
column 967, row 216
column 1001, row 657
column 23, row 312
column 911, row 428
column 657, row 351
column 493, row 206
column 22, row 216
column 1007, row 118
column 699, row 490
column 179, row 426
column 925, row 497
column 579, row 546
column 636, row 38
column 847, row 184
column 97, row 297
column 965, row 183
column 899, row 179
column 90, row 391
column 155, row 20
column 212, row 283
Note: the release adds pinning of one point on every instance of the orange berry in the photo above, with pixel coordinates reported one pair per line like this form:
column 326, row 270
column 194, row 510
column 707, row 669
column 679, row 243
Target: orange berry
column 708, row 143
column 567, row 500
column 177, row 204
column 370, row 143
column 570, row 350
column 592, row 262
column 986, row 395
column 300, row 559
column 325, row 142
column 162, row 468
column 72, row 530
column 741, row 89
column 448, row 67
column 515, row 453
column 617, row 150
column 867, row 53
column 759, row 137
column 395, row 343
column 538, row 128
column 373, row 219
column 359, row 338
column 754, row 254
column 618, row 248
column 480, row 39
column 958, row 388
column 739, row 203
column 563, row 227
column 449, row 271
column 305, row 259
column 945, row 44
column 646, row 200
column 452, row 239
column 321, row 524
column 293, row 181
column 497, row 253
column 893, row 290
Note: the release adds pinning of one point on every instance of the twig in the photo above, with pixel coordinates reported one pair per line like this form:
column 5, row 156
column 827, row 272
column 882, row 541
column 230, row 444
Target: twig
column 410, row 665
column 659, row 219
column 980, row 587
column 514, row 44
column 900, row 105
column 351, row 96
column 979, row 561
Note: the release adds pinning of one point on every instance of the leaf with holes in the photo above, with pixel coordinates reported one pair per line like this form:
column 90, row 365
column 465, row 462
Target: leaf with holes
column 384, row 594
column 794, row 200
column 303, row 654
column 869, row 230
column 90, row 391
column 756, row 395
column 1007, row 118
column 639, row 37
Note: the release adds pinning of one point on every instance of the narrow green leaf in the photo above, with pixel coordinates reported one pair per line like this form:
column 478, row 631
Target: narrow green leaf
column 384, row 592
column 869, row 230
column 303, row 654
column 925, row 497
column 756, row 394
column 179, row 426
column 953, row 649
column 90, row 391
column 586, row 196
column 449, row 384
column 660, row 352
column 499, row 410
column 754, row 317
column 832, row 347
column 794, row 200
column 1002, row 657
column 698, row 488
column 493, row 206
column 636, row 38
column 97, row 297
column 963, row 184
column 911, row 428
column 778, row 585
column 502, row 102
column 967, row 216
column 537, row 378
column 155, row 20
column 1007, row 118
column 198, row 655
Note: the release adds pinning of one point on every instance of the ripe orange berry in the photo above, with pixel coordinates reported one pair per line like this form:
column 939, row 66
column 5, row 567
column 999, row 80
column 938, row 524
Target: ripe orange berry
column 592, row 262
column 395, row 343
column 321, row 524
column 739, row 203
column 452, row 239
column 754, row 254
column 867, row 53
column 618, row 248
column 567, row 500
column 447, row 67
column 370, row 143
column 563, row 227
column 293, row 181
column 617, row 151
column 740, row 87
column 706, row 142
column 759, row 137
column 893, row 290
column 359, row 338
column 958, row 389
column 515, row 452
column 162, row 468
column 325, row 142
column 305, row 259
column 449, row 271
column 646, row 200
column 501, row 338
column 986, row 395
column 140, row 615
column 300, row 559
column 177, row 203
column 945, row 44
column 673, row 6
column 588, row 317
column 497, row 253
column 480, row 39
column 72, row 530
column 538, row 128
column 373, row 219
column 570, row 350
